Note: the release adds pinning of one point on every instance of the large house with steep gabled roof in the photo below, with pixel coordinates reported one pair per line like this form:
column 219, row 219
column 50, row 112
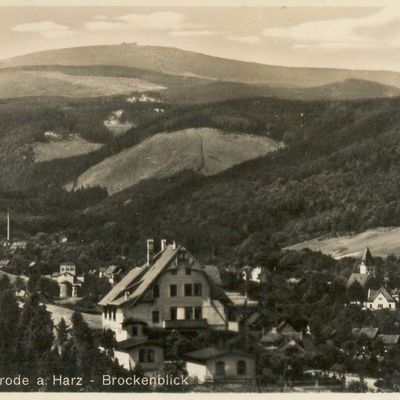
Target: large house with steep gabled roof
column 172, row 290
column 380, row 299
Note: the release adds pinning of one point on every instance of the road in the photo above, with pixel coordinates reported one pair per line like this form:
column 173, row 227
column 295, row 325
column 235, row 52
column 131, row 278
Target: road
column 57, row 312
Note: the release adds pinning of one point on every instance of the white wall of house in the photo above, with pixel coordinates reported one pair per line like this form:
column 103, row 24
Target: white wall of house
column 212, row 310
column 115, row 324
column 123, row 358
column 381, row 303
column 196, row 371
column 146, row 366
column 231, row 372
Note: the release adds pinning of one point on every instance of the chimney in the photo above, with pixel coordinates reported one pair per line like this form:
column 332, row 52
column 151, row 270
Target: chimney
column 163, row 244
column 274, row 330
column 150, row 251
column 174, row 245
column 126, row 294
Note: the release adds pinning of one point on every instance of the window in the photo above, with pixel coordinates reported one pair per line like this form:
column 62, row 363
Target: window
column 197, row 289
column 173, row 313
column 188, row 313
column 188, row 271
column 390, row 306
column 142, row 355
column 151, row 355
column 147, row 355
column 241, row 367
column 156, row 291
column 173, row 290
column 380, row 305
column 188, row 289
column 198, row 314
column 220, row 369
column 134, row 330
column 156, row 317
column 114, row 314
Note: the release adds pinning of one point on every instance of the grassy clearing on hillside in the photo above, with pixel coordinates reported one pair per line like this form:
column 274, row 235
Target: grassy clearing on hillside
column 381, row 241
column 72, row 145
column 204, row 150
column 17, row 83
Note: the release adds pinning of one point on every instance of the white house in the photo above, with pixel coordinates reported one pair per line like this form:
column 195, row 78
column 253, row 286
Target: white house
column 172, row 290
column 217, row 365
column 380, row 299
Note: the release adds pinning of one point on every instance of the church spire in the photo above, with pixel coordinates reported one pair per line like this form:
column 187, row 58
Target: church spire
column 367, row 258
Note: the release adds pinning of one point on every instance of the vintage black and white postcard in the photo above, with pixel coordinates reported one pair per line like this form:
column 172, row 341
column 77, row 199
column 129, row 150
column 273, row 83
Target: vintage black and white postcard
column 199, row 197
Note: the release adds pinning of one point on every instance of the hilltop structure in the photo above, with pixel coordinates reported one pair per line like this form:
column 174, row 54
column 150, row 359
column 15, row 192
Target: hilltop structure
column 69, row 282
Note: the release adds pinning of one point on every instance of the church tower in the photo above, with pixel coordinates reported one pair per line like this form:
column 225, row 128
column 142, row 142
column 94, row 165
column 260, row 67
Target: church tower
column 367, row 263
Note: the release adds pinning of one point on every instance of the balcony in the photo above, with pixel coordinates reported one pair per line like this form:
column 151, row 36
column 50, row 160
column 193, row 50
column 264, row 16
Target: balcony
column 185, row 324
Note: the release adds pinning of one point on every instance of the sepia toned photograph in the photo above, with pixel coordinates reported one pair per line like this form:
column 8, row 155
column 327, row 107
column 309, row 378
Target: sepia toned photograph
column 199, row 198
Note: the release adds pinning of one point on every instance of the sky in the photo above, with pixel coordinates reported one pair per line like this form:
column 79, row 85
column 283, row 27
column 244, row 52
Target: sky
column 339, row 37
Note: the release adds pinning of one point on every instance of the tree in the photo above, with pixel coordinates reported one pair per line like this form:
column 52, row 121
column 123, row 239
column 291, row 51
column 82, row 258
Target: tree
column 5, row 283
column 19, row 284
column 39, row 334
column 33, row 283
column 108, row 341
column 48, row 288
column 356, row 292
column 62, row 335
column 9, row 315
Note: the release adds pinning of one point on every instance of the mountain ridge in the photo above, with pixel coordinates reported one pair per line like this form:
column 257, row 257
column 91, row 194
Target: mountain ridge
column 182, row 62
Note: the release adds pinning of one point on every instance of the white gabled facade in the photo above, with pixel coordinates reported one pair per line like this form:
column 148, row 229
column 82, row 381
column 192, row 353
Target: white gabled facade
column 380, row 299
column 171, row 291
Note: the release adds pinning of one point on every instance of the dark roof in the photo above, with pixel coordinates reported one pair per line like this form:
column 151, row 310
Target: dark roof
column 240, row 299
column 135, row 342
column 213, row 272
column 119, row 288
column 285, row 327
column 367, row 258
column 253, row 318
column 212, row 352
column 138, row 280
column 369, row 332
column 389, row 339
column 373, row 294
column 362, row 279
column 130, row 321
column 308, row 344
column 273, row 336
column 292, row 344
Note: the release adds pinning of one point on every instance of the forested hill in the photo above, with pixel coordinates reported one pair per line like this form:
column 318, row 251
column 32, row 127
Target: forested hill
column 341, row 174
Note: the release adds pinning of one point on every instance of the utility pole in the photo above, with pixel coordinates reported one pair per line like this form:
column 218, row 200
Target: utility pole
column 8, row 226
